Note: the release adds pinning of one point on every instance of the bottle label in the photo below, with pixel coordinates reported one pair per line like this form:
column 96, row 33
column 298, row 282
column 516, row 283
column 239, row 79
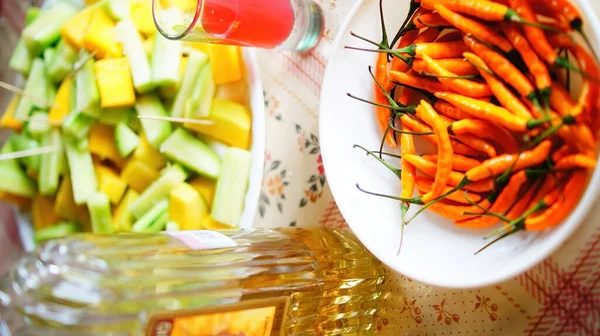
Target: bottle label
column 261, row 317
column 202, row 239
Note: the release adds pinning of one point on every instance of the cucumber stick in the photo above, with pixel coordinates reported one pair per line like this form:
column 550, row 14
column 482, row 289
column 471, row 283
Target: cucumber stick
column 83, row 176
column 232, row 185
column 118, row 9
column 155, row 220
column 62, row 63
column 55, row 231
column 166, row 61
column 32, row 14
column 35, row 87
column 156, row 130
column 87, row 97
column 77, row 125
column 133, row 48
column 196, row 61
column 116, row 115
column 99, row 207
column 126, row 139
column 45, row 29
column 188, row 150
column 12, row 179
column 21, row 59
column 24, row 141
column 38, row 124
column 48, row 55
column 199, row 104
column 50, row 165
column 158, row 190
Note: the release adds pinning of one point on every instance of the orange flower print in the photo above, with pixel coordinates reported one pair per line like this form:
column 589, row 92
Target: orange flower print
column 312, row 195
column 275, row 185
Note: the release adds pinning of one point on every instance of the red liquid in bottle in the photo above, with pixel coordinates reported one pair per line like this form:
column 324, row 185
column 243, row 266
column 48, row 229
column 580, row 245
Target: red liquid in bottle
column 259, row 23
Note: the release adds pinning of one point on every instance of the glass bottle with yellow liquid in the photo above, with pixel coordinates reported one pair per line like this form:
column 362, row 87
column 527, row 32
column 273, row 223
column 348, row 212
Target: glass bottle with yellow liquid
column 199, row 283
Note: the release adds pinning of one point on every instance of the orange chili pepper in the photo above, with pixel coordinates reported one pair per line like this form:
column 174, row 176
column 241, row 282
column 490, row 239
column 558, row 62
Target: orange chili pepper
column 437, row 50
column 407, row 146
column 523, row 202
column 501, row 91
column 425, row 184
column 429, row 168
column 590, row 90
column 450, row 111
column 408, row 39
column 536, row 67
column 383, row 114
column 417, row 126
column 472, row 140
column 502, row 67
column 575, row 161
column 456, row 212
column 562, row 10
column 535, row 35
column 460, row 85
column 473, row 27
column 459, row 162
column 458, row 66
column 426, row 84
column 485, row 10
column 451, row 36
column 445, row 152
column 559, row 210
column 500, row 164
column 485, row 130
column 561, row 152
column 486, row 111
column 432, row 20
column 502, row 204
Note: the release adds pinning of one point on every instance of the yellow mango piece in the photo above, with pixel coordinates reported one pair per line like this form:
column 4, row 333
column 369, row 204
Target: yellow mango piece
column 91, row 2
column 42, row 212
column 184, row 5
column 226, row 63
column 186, row 207
column 62, row 103
column 206, row 188
column 123, row 218
column 234, row 91
column 110, row 183
column 138, row 175
column 8, row 120
column 141, row 14
column 102, row 143
column 65, row 205
column 149, row 155
column 149, row 45
column 73, row 31
column 211, row 224
column 115, row 82
column 100, row 36
column 231, row 123
column 19, row 201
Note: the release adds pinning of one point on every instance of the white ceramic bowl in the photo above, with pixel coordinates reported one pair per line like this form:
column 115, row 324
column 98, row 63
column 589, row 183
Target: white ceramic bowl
column 434, row 251
column 256, row 103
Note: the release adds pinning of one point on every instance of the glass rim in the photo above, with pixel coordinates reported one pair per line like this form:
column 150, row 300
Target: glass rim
column 189, row 28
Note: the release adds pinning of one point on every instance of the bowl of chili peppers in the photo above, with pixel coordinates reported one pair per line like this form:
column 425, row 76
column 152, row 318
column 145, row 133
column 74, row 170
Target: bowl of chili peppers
column 460, row 137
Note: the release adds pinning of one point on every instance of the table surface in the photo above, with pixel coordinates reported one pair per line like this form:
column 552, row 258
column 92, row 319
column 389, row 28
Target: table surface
column 560, row 296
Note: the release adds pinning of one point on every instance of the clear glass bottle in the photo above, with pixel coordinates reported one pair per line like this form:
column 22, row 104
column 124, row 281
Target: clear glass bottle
column 238, row 282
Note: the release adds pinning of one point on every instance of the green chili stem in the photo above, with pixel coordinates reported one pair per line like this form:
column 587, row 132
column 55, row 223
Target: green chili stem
column 416, row 200
column 452, row 77
column 394, row 170
column 461, row 185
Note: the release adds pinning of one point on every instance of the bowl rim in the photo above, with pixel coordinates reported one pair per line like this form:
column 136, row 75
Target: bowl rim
column 578, row 215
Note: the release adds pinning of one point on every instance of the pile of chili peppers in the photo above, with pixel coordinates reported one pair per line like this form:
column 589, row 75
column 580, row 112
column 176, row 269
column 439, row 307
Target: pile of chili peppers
column 488, row 83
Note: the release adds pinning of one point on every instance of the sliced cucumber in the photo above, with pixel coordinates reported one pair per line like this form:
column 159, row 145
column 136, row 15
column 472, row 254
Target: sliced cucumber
column 21, row 59
column 50, row 163
column 166, row 61
column 87, row 96
column 62, row 63
column 48, row 55
column 35, row 87
column 38, row 124
column 133, row 48
column 232, row 185
column 196, row 61
column 188, row 150
column 55, row 231
column 83, row 176
column 21, row 142
column 77, row 125
column 155, row 219
column 172, row 226
column 126, row 139
column 45, row 30
column 32, row 14
column 116, row 115
column 156, row 130
column 99, row 207
column 12, row 179
column 199, row 104
column 158, row 190
column 119, row 9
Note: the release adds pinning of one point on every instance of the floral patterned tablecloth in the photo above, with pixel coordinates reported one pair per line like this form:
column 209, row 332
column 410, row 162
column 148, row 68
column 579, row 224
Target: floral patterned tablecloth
column 560, row 296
